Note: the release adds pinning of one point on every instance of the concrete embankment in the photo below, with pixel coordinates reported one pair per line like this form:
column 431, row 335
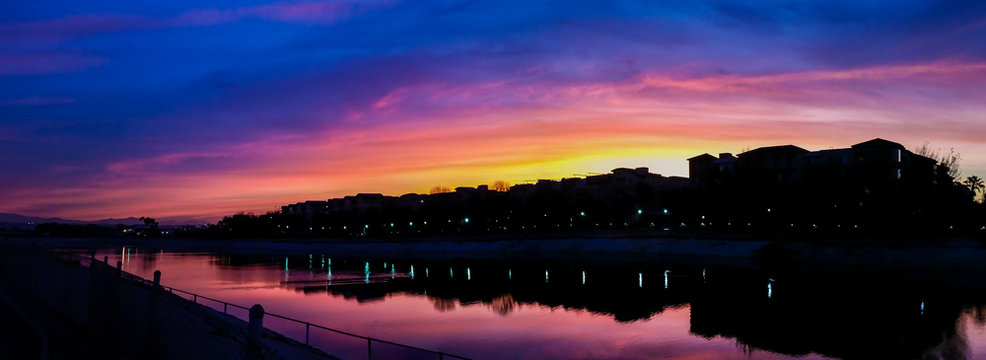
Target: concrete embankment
column 62, row 308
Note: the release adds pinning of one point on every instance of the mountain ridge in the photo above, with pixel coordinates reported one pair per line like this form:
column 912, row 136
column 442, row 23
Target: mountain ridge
column 10, row 218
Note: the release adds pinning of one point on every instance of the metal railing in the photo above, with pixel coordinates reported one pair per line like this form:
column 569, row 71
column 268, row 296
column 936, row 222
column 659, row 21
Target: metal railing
column 308, row 326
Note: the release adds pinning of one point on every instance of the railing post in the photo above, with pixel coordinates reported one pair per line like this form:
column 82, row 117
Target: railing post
column 255, row 329
column 97, row 294
column 369, row 352
column 225, row 305
column 153, row 343
column 308, row 328
column 195, row 298
column 110, row 318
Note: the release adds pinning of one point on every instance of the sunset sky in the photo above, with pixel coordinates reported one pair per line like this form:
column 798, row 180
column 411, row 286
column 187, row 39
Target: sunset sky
column 196, row 109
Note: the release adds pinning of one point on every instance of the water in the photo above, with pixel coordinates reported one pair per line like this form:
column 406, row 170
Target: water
column 565, row 310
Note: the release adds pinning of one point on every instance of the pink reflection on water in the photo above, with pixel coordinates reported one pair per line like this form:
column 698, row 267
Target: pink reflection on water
column 502, row 329
column 973, row 326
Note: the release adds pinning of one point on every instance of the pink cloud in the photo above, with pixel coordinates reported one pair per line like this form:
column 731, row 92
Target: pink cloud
column 840, row 88
column 936, row 72
column 155, row 163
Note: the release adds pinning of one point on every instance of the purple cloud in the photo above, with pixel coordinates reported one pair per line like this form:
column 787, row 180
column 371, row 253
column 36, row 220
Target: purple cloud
column 38, row 101
column 36, row 63
column 75, row 26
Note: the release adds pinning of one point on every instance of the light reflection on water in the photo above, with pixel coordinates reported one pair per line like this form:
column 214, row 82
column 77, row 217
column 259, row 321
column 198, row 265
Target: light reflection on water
column 626, row 312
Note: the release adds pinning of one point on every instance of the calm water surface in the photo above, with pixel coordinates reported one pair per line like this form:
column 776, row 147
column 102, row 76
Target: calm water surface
column 564, row 310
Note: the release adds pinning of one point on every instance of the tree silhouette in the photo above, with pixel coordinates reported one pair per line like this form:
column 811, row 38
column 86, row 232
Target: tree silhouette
column 149, row 221
column 975, row 184
column 439, row 189
column 949, row 160
column 152, row 227
column 500, row 185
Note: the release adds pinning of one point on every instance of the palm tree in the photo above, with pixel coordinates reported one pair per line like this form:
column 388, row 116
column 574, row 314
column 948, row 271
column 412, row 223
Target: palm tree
column 975, row 184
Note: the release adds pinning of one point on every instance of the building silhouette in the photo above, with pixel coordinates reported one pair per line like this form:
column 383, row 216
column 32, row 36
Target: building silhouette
column 878, row 164
column 877, row 184
column 875, row 187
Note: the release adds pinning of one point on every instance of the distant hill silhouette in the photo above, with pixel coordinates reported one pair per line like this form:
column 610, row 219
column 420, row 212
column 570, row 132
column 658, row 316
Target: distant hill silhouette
column 6, row 218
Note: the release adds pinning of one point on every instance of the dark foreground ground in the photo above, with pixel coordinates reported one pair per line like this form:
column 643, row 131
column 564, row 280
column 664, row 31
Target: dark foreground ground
column 55, row 307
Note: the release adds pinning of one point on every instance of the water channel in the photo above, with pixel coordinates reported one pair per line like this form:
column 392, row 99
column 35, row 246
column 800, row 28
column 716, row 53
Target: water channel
column 565, row 310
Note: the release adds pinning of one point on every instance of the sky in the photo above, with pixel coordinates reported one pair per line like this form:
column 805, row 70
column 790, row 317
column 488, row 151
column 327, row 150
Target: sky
column 191, row 110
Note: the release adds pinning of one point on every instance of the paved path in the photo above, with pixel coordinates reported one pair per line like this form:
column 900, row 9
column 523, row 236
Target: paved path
column 94, row 313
